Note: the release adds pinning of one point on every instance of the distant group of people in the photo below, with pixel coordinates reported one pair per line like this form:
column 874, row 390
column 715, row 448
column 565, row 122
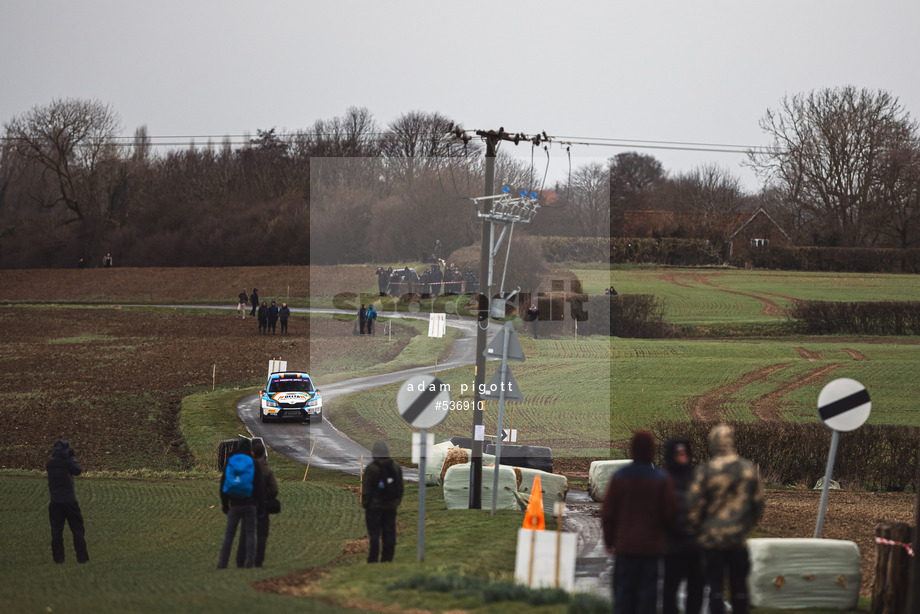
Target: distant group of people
column 695, row 518
column 367, row 320
column 430, row 284
column 106, row 261
column 611, row 291
column 268, row 314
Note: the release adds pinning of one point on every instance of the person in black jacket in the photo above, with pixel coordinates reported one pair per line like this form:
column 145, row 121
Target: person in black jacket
column 63, row 507
column 272, row 317
column 381, row 494
column 254, row 300
column 240, row 508
column 683, row 559
column 263, row 318
column 283, row 314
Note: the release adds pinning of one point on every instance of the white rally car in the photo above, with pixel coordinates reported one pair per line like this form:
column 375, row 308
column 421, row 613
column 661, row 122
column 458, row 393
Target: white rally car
column 290, row 395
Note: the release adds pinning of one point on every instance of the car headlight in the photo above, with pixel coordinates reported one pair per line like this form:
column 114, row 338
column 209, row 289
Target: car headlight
column 271, row 403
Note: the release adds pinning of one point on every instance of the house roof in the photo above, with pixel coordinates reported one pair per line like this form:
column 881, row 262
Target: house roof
column 760, row 211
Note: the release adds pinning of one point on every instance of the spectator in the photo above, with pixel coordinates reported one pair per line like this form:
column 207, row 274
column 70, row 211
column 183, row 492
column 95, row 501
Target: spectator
column 381, row 494
column 241, row 305
column 260, row 457
column 107, row 261
column 63, row 506
column 724, row 503
column 683, row 560
column 283, row 314
column 637, row 510
column 263, row 318
column 241, row 507
column 533, row 315
column 371, row 319
column 362, row 319
column 81, row 264
column 383, row 280
column 272, row 317
column 254, row 300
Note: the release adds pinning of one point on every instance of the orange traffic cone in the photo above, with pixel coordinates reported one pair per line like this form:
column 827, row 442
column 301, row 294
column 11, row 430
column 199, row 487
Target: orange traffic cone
column 533, row 517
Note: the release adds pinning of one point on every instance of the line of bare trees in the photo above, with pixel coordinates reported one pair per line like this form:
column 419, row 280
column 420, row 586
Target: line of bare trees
column 843, row 168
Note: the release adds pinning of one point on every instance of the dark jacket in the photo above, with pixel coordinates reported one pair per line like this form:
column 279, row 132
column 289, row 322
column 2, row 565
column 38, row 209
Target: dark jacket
column 284, row 313
column 273, row 313
column 257, row 497
column 268, row 477
column 254, row 299
column 725, row 500
column 242, row 297
column 372, row 475
column 680, row 541
column 61, row 468
column 263, row 313
column 639, row 506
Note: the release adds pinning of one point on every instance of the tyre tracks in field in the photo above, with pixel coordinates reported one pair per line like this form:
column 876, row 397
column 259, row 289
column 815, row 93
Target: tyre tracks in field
column 769, row 308
column 713, row 405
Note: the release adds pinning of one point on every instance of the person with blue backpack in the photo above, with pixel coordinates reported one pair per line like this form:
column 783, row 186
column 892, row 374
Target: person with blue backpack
column 242, row 498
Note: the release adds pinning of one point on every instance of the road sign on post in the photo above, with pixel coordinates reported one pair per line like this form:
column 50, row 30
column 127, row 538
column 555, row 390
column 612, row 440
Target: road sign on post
column 843, row 405
column 423, row 402
column 503, row 387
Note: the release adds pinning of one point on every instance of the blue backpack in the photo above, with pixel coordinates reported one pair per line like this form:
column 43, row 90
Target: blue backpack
column 239, row 476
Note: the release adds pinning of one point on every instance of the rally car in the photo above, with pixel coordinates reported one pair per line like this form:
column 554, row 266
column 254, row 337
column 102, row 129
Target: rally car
column 290, row 395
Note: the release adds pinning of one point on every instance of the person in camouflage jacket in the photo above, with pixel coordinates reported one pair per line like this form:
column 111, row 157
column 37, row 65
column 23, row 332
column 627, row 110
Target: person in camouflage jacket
column 724, row 503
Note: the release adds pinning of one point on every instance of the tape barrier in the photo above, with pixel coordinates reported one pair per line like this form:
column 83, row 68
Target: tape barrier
column 889, row 542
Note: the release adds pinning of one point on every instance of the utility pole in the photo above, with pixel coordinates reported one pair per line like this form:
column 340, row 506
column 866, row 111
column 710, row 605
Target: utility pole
column 492, row 139
column 482, row 327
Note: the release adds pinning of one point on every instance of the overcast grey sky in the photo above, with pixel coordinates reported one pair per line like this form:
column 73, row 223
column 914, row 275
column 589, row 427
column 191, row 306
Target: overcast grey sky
column 673, row 71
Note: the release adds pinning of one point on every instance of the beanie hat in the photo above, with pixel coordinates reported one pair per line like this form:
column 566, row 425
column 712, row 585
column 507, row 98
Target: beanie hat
column 243, row 445
column 642, row 446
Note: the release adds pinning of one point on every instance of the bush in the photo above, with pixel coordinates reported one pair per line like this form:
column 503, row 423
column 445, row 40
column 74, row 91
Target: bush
column 873, row 457
column 842, row 259
column 864, row 318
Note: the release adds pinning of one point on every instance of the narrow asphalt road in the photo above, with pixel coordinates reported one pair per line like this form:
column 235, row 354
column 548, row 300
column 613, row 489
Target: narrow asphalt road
column 332, row 449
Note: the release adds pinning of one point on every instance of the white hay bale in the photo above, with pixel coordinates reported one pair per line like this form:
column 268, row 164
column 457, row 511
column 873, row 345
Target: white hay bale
column 599, row 475
column 804, row 573
column 553, row 486
column 434, row 462
column 457, row 487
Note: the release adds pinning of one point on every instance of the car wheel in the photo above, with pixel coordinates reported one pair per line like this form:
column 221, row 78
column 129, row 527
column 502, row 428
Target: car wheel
column 262, row 416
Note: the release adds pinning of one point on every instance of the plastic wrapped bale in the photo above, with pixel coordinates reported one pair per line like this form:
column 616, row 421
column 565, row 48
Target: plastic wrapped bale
column 553, row 485
column 804, row 573
column 458, row 457
column 599, row 475
column 455, row 456
column 457, row 488
column 434, row 464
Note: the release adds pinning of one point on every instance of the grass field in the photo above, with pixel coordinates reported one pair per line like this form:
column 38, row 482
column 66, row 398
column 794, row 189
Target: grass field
column 718, row 295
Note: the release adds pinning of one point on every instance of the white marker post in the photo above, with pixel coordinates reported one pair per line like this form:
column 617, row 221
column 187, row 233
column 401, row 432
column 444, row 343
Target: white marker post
column 843, row 405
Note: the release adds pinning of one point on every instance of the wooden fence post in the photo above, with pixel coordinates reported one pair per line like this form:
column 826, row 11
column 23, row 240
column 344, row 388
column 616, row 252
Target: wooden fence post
column 892, row 563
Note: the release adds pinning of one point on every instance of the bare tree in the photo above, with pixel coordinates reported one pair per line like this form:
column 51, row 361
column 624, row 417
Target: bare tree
column 828, row 152
column 633, row 178
column 72, row 140
column 587, row 199
column 710, row 197
column 898, row 221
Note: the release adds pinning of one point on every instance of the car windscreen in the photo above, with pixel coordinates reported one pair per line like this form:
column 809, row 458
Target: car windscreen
column 291, row 384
